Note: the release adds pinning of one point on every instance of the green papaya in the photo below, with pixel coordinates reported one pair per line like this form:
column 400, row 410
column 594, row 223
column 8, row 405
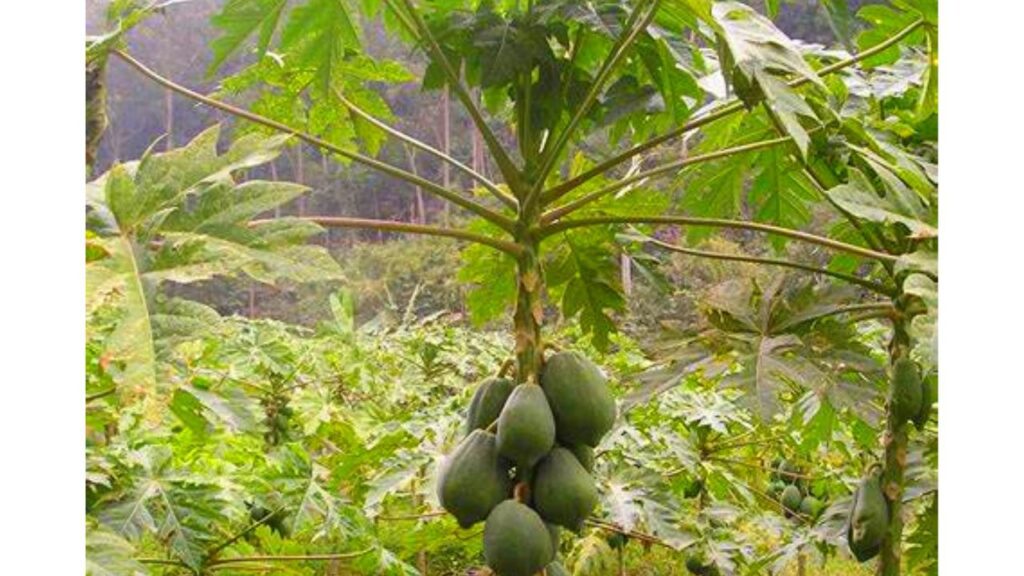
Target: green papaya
column 811, row 506
column 868, row 519
column 791, row 498
column 556, row 569
column 487, row 402
column 555, row 533
column 905, row 391
column 563, row 492
column 922, row 416
column 775, row 488
column 473, row 479
column 789, row 472
column 526, row 427
column 617, row 540
column 585, row 455
column 516, row 542
column 580, row 399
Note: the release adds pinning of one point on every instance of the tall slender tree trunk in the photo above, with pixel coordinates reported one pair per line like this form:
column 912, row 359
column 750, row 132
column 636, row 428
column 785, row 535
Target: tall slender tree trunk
column 529, row 311
column 446, row 147
column 273, row 176
column 300, row 177
column 895, row 442
column 419, row 212
column 169, row 119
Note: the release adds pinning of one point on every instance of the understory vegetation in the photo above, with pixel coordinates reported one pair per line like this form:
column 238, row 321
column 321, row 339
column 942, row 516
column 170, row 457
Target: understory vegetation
column 666, row 304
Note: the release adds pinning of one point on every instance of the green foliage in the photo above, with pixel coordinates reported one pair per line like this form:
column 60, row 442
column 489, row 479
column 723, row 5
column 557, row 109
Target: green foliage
column 181, row 216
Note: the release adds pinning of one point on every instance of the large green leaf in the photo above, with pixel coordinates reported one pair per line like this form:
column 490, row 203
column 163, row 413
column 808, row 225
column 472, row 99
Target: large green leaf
column 107, row 554
column 180, row 216
column 756, row 59
column 240, row 19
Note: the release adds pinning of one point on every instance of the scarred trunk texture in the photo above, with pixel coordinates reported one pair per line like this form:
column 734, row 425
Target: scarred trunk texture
column 529, row 312
column 895, row 441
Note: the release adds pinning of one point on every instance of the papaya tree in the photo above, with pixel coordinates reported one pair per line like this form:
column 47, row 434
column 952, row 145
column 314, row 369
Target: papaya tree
column 609, row 125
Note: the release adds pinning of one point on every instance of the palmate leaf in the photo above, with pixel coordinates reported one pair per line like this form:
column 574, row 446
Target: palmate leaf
column 240, row 19
column 583, row 276
column 784, row 335
column 924, row 328
column 179, row 216
column 177, row 507
column 866, row 204
column 107, row 554
column 756, row 58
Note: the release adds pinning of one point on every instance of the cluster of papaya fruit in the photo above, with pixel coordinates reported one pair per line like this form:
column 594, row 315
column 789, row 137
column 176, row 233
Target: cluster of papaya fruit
column 524, row 466
column 788, row 485
column 910, row 400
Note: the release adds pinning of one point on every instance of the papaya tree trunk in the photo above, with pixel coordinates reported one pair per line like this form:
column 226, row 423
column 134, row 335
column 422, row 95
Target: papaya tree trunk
column 895, row 442
column 529, row 311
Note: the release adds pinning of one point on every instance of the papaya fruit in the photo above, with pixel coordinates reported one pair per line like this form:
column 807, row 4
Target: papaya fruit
column 811, row 506
column 791, row 498
column 487, row 402
column 868, row 519
column 905, row 391
column 788, row 472
column 585, row 455
column 925, row 412
column 556, row 569
column 580, row 399
column 526, row 427
column 473, row 479
column 617, row 540
column 775, row 488
column 563, row 491
column 555, row 533
column 516, row 542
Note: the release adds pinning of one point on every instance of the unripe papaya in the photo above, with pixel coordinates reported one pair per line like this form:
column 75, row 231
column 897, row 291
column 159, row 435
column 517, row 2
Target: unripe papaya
column 776, row 487
column 578, row 392
column 585, row 455
column 487, row 402
column 516, row 542
column 922, row 416
column 526, row 427
column 868, row 520
column 473, row 479
column 563, row 492
column 905, row 391
column 791, row 498
column 556, row 569
column 811, row 506
column 617, row 540
column 555, row 533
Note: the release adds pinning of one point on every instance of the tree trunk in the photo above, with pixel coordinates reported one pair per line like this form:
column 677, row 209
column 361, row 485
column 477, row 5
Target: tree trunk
column 169, row 118
column 273, row 177
column 626, row 273
column 300, row 178
column 529, row 311
column 446, row 147
column 418, row 215
column 895, row 442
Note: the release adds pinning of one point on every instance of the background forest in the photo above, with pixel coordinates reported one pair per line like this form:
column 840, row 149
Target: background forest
column 272, row 391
